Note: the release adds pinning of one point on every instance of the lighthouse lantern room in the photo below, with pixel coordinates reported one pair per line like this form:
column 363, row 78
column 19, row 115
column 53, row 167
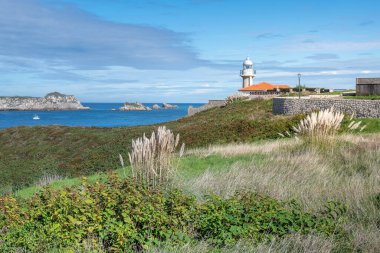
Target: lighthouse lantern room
column 247, row 73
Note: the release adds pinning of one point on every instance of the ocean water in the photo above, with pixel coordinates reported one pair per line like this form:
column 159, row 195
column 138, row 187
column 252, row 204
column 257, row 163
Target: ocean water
column 100, row 115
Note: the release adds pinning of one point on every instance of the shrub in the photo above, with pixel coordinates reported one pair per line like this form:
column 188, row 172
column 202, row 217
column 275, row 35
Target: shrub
column 152, row 158
column 123, row 215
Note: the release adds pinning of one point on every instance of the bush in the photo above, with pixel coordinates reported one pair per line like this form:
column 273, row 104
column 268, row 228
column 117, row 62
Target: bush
column 126, row 216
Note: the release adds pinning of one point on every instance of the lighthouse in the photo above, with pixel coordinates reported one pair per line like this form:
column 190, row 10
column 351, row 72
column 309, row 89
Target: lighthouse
column 247, row 73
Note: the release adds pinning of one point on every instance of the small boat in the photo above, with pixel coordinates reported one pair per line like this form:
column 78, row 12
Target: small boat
column 36, row 117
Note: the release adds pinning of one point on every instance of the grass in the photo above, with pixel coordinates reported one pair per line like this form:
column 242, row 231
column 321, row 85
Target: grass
column 29, row 153
column 189, row 167
column 346, row 171
column 27, row 192
column 371, row 97
column 296, row 243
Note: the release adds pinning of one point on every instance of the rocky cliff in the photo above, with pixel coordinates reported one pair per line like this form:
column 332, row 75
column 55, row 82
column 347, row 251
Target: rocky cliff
column 52, row 101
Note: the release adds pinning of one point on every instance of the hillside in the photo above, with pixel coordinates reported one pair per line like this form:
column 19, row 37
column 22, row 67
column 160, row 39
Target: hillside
column 29, row 153
column 327, row 201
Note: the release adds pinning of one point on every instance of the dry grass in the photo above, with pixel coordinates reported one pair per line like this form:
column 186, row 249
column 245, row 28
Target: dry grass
column 347, row 171
column 48, row 179
column 290, row 244
column 236, row 97
column 297, row 171
column 365, row 237
column 242, row 148
column 152, row 158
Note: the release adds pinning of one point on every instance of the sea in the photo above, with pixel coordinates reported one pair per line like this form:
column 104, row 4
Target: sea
column 100, row 115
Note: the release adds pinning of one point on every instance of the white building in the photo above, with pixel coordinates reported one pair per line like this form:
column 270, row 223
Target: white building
column 247, row 73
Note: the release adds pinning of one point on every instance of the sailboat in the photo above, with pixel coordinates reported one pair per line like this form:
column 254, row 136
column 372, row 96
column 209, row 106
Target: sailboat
column 36, row 117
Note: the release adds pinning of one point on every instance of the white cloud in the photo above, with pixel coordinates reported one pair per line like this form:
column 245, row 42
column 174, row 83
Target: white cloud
column 333, row 46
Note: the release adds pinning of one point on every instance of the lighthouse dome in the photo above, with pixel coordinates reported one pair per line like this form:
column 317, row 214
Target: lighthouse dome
column 247, row 62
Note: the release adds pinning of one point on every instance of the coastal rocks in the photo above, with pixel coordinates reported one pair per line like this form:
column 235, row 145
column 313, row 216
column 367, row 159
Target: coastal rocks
column 52, row 101
column 140, row 107
column 134, row 107
column 169, row 106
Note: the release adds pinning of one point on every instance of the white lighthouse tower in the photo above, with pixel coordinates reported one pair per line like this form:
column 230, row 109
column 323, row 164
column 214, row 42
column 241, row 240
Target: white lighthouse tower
column 247, row 73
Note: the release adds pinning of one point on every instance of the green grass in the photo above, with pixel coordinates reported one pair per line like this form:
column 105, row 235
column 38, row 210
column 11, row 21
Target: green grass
column 372, row 97
column 70, row 182
column 28, row 153
column 188, row 167
column 373, row 125
column 293, row 171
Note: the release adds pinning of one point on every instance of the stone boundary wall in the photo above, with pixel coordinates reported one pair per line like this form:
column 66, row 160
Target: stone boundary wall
column 211, row 104
column 360, row 108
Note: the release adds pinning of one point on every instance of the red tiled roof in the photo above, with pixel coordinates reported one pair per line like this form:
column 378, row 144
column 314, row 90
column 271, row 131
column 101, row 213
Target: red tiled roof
column 264, row 86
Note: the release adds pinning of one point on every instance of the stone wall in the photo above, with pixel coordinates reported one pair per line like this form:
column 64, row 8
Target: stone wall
column 361, row 108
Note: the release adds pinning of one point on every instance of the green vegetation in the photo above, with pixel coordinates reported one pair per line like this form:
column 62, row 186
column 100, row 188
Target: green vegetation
column 189, row 167
column 285, row 172
column 29, row 153
column 372, row 97
column 284, row 195
column 122, row 215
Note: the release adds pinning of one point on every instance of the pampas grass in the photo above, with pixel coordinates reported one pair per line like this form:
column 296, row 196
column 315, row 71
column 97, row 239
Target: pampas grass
column 48, row 179
column 237, row 97
column 152, row 158
column 322, row 125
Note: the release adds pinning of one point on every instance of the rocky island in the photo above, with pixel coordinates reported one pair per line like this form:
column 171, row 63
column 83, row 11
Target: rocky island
column 169, row 106
column 52, row 101
column 140, row 107
column 134, row 107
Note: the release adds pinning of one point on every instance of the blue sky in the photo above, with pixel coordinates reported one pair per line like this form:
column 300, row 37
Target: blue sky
column 182, row 50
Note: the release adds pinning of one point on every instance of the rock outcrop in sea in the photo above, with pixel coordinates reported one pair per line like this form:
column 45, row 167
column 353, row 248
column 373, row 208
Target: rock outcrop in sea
column 169, row 106
column 134, row 107
column 156, row 107
column 52, row 101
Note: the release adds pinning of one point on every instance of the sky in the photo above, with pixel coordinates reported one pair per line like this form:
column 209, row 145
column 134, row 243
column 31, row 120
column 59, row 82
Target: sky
column 182, row 50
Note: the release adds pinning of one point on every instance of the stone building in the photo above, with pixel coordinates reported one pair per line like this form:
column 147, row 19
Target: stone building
column 367, row 86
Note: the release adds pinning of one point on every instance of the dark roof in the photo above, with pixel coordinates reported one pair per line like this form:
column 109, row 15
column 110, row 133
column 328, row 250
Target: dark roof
column 367, row 81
